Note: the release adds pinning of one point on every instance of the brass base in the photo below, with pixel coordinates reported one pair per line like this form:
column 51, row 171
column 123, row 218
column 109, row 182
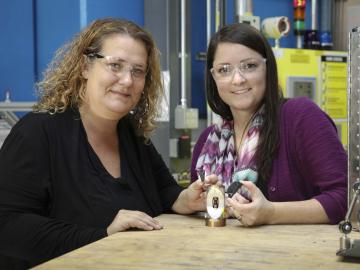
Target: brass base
column 220, row 222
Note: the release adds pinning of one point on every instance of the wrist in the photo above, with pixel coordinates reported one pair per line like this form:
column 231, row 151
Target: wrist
column 271, row 216
column 109, row 231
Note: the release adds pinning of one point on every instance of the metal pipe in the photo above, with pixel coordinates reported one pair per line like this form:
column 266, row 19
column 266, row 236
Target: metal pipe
column 299, row 42
column 183, row 54
column 325, row 18
column 208, row 21
column 208, row 37
column 241, row 8
column 314, row 16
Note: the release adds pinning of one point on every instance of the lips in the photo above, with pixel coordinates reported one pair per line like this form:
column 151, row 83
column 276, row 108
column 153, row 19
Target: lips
column 241, row 91
column 119, row 93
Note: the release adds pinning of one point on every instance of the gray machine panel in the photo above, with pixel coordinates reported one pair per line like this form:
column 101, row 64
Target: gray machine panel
column 354, row 122
column 301, row 87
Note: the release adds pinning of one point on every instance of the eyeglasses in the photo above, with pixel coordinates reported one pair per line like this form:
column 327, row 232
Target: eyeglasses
column 118, row 66
column 245, row 68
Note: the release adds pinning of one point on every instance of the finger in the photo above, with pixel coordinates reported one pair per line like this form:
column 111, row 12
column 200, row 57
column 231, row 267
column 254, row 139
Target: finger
column 148, row 223
column 143, row 225
column 230, row 211
column 251, row 187
column 238, row 216
column 240, row 207
column 239, row 198
column 196, row 185
column 149, row 220
column 211, row 179
column 202, row 195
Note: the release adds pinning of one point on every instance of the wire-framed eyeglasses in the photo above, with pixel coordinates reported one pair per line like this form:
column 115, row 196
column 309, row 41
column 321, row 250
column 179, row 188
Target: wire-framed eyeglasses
column 118, row 66
column 225, row 72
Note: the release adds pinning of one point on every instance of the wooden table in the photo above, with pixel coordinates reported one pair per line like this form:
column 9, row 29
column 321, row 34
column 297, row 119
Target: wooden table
column 186, row 243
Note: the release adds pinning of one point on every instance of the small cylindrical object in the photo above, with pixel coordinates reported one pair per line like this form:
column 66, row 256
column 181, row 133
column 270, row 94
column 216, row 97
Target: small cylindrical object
column 299, row 27
column 184, row 148
column 299, row 3
column 299, row 14
column 215, row 206
column 275, row 27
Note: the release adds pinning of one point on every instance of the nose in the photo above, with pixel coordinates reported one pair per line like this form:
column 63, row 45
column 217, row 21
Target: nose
column 238, row 77
column 125, row 77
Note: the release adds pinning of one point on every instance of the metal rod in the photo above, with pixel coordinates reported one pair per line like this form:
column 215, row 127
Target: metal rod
column 16, row 106
column 208, row 21
column 208, row 37
column 299, row 41
column 314, row 15
column 183, row 54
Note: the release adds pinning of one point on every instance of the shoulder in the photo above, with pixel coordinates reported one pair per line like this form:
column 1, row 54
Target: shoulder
column 37, row 123
column 300, row 109
column 300, row 105
column 32, row 121
column 201, row 140
column 205, row 133
column 302, row 118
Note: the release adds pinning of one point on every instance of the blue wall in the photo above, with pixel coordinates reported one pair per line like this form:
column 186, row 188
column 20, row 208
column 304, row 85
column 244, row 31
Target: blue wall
column 17, row 68
column 32, row 30
column 261, row 8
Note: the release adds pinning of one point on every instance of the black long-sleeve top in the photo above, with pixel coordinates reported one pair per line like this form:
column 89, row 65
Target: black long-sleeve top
column 56, row 196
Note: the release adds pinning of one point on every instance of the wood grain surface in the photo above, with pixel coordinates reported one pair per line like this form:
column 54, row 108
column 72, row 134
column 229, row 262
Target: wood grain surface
column 186, row 243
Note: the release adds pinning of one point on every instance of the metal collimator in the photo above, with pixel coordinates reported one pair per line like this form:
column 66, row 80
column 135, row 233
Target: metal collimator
column 354, row 122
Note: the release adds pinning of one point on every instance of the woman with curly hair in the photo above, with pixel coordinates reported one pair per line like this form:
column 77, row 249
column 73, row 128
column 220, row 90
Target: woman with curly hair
column 81, row 166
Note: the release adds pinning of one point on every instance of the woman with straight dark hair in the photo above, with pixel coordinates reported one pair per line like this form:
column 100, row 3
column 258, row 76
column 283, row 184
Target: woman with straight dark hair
column 285, row 152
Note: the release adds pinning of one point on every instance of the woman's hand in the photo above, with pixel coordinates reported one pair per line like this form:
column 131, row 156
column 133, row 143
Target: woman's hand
column 193, row 198
column 126, row 219
column 196, row 192
column 256, row 212
column 240, row 199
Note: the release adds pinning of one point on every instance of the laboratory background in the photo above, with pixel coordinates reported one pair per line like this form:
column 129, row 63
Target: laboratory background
column 309, row 39
column 317, row 48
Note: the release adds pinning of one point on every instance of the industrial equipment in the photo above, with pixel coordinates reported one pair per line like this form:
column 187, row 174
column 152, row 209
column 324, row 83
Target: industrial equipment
column 319, row 75
column 275, row 27
column 351, row 247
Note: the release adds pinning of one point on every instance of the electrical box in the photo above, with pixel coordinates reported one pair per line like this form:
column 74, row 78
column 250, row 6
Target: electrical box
column 186, row 118
column 252, row 20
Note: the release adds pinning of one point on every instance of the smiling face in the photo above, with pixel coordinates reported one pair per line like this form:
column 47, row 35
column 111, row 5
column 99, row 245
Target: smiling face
column 244, row 90
column 110, row 95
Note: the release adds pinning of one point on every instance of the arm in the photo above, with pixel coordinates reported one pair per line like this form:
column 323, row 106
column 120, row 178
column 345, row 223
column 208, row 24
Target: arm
column 26, row 230
column 174, row 197
column 309, row 211
column 321, row 160
column 261, row 211
column 192, row 199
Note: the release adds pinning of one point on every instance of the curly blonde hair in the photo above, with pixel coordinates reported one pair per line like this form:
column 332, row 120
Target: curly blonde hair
column 63, row 85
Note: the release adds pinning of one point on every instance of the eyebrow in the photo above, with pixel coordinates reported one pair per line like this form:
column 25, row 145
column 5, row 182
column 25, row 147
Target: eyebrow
column 118, row 58
column 243, row 60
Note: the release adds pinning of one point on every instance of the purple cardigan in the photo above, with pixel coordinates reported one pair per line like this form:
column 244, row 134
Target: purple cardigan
column 311, row 161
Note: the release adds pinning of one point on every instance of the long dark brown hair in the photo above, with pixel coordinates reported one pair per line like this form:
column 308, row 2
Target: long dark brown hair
column 244, row 34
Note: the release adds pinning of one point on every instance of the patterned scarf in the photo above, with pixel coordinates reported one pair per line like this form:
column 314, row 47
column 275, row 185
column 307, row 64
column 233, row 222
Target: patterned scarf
column 218, row 155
